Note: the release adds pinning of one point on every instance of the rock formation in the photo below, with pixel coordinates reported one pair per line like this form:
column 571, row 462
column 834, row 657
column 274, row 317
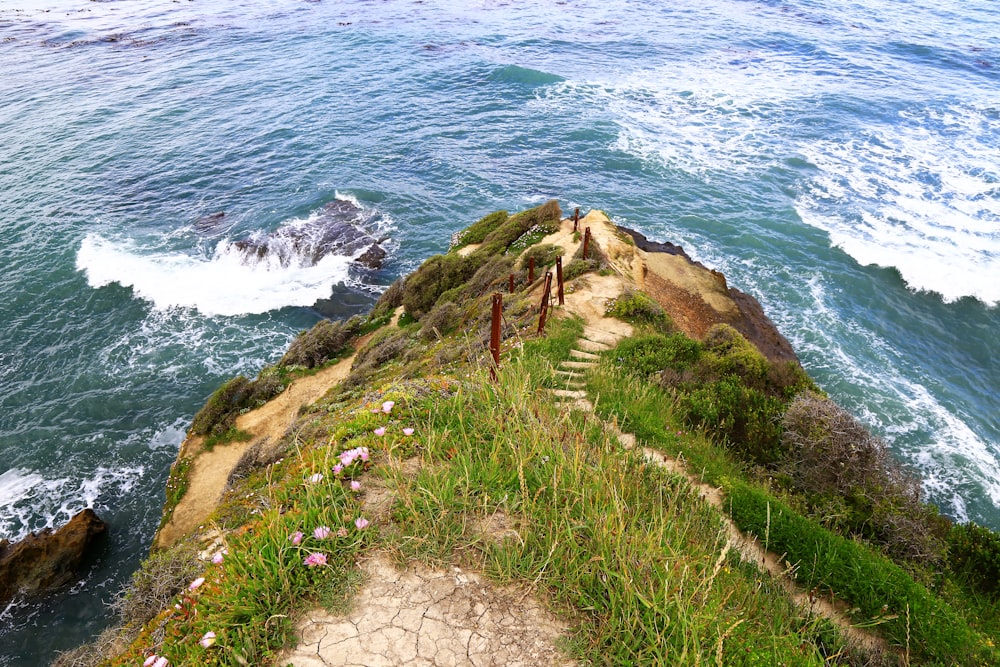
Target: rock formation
column 48, row 559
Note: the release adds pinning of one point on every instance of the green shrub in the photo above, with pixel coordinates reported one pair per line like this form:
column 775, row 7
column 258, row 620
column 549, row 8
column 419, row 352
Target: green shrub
column 385, row 346
column 323, row 342
column 500, row 239
column 644, row 355
column 578, row 267
column 742, row 418
column 477, row 231
column 974, row 555
column 636, row 307
column 157, row 581
column 389, row 300
column 732, row 354
column 435, row 276
column 545, row 256
column 219, row 412
column 487, row 278
column 440, row 321
column 831, row 453
column 879, row 591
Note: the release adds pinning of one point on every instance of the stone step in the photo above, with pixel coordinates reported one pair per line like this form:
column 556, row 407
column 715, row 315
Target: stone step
column 569, row 374
column 596, row 335
column 569, row 393
column 591, row 345
column 583, row 365
column 577, row 354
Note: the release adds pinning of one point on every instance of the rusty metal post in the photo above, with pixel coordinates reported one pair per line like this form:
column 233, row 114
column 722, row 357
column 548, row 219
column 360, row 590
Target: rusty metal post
column 559, row 281
column 531, row 269
column 510, row 284
column 586, row 242
column 495, row 334
column 546, row 295
column 576, row 219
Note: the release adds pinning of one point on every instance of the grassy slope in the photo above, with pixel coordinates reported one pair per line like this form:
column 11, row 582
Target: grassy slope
column 625, row 551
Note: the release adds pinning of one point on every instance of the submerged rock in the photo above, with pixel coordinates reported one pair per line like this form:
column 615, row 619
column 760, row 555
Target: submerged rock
column 338, row 228
column 48, row 559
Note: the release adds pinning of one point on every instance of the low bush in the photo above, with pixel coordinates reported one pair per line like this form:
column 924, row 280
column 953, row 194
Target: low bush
column 154, row 585
column 477, row 231
column 500, row 239
column 381, row 349
column 578, row 267
column 389, row 300
column 974, row 555
column 440, row 321
column 544, row 255
column 880, row 593
column 636, row 307
column 830, row 453
column 435, row 276
column 491, row 276
column 219, row 413
column 323, row 342
column 644, row 355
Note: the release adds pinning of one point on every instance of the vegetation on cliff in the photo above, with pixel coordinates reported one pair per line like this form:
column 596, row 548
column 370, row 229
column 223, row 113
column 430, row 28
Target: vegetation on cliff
column 418, row 454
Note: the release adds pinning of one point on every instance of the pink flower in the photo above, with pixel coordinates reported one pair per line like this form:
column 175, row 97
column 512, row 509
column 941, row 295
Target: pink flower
column 219, row 556
column 337, row 469
column 161, row 662
column 361, row 523
column 150, row 660
column 341, row 532
column 196, row 583
column 317, row 478
column 380, row 430
column 355, row 485
column 363, row 453
column 313, row 560
column 207, row 639
column 322, row 533
column 387, row 406
column 296, row 537
column 407, row 431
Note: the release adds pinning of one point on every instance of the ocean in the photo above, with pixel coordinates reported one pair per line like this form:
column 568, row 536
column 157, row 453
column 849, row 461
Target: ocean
column 840, row 161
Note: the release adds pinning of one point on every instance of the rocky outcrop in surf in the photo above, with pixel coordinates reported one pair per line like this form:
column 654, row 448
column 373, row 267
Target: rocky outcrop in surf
column 338, row 228
column 48, row 559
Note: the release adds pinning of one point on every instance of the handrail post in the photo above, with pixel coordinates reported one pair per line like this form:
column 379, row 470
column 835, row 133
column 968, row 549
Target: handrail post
column 546, row 295
column 495, row 334
column 531, row 269
column 559, row 281
column 586, row 242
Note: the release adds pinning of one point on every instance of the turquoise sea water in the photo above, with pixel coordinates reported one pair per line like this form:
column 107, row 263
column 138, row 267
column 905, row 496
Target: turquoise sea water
column 839, row 161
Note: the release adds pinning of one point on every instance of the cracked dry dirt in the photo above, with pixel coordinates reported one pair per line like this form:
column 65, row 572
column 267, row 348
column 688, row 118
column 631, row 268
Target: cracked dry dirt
column 429, row 617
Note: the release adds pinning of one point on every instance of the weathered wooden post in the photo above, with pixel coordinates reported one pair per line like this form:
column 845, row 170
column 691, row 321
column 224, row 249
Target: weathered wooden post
column 495, row 334
column 510, row 284
column 576, row 219
column 559, row 281
column 531, row 269
column 586, row 242
column 546, row 295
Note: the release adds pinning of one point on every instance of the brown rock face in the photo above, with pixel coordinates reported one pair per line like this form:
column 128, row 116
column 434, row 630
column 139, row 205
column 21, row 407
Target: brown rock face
column 697, row 298
column 48, row 559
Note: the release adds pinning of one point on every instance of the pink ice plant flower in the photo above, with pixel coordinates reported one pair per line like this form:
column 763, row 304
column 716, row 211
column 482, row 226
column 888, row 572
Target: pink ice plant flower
column 355, row 485
column 219, row 556
column 296, row 537
column 312, row 560
column 207, row 639
column 317, row 478
column 407, row 431
column 361, row 523
column 387, row 406
column 337, row 469
column 380, row 430
column 348, row 457
column 150, row 660
column 196, row 583
column 322, row 533
column 161, row 662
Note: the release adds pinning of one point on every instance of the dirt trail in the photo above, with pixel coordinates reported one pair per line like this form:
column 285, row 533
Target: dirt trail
column 210, row 469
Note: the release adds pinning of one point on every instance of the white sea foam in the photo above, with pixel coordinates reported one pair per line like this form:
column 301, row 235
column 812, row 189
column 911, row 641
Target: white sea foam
column 953, row 460
column 224, row 284
column 30, row 501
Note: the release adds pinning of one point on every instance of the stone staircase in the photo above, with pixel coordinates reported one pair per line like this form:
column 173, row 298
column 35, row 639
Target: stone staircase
column 584, row 356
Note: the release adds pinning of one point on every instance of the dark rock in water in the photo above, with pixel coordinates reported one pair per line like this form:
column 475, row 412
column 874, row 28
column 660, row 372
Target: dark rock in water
column 373, row 257
column 345, row 302
column 209, row 223
column 642, row 243
column 339, row 228
column 48, row 559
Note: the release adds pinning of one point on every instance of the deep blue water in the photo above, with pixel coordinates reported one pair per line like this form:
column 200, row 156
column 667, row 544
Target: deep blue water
column 839, row 161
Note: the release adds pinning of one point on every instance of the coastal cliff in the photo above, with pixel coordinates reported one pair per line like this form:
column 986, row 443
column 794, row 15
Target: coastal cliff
column 645, row 478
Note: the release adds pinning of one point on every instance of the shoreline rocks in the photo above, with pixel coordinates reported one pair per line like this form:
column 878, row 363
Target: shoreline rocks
column 49, row 559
